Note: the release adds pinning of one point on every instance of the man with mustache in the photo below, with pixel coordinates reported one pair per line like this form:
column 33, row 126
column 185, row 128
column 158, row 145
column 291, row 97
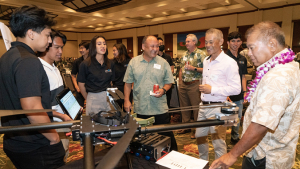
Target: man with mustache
column 53, row 54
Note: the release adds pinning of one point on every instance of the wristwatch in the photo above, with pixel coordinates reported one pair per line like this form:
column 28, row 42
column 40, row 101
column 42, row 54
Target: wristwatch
column 195, row 69
column 164, row 90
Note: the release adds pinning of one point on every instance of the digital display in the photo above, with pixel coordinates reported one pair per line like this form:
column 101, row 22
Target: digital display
column 70, row 103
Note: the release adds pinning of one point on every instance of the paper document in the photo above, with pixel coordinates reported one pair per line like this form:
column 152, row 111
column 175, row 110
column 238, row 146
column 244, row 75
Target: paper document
column 176, row 160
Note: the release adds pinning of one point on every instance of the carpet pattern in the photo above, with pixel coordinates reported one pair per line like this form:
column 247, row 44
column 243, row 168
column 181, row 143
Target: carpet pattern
column 185, row 145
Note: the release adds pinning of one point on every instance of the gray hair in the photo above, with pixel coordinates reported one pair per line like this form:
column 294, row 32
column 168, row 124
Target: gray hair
column 268, row 30
column 193, row 37
column 215, row 31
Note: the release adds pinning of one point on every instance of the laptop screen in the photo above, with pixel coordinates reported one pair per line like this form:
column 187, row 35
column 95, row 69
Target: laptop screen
column 68, row 103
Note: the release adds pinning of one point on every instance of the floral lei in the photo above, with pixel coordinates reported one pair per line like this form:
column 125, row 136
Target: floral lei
column 263, row 69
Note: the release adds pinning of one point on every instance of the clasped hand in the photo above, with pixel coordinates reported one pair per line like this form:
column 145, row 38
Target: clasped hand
column 206, row 89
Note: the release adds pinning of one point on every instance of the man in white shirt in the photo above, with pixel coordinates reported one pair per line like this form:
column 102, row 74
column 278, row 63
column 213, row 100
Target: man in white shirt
column 220, row 79
column 52, row 54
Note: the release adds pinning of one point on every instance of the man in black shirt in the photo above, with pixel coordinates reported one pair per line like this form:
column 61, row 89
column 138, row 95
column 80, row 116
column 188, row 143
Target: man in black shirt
column 25, row 85
column 234, row 42
column 84, row 51
column 169, row 60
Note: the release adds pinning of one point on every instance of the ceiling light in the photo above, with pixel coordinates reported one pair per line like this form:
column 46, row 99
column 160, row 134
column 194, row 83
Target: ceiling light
column 100, row 24
column 111, row 23
column 183, row 10
column 73, row 23
column 160, row 5
column 70, row 10
column 94, row 19
column 149, row 16
column 98, row 14
column 90, row 26
column 165, row 13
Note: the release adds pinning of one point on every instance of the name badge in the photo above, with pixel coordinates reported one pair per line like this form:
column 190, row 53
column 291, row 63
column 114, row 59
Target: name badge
column 157, row 66
column 241, row 62
column 108, row 71
column 126, row 65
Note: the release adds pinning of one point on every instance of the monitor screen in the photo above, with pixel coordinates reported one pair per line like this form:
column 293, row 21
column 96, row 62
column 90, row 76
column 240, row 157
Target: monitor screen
column 69, row 102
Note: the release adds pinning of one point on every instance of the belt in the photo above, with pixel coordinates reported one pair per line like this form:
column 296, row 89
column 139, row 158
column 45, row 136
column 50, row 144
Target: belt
column 209, row 102
column 188, row 83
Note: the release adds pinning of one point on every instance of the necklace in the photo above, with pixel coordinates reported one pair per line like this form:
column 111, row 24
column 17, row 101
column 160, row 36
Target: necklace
column 283, row 58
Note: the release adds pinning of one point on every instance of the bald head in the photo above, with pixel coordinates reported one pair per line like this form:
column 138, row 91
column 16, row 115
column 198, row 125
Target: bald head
column 150, row 46
column 148, row 37
column 266, row 31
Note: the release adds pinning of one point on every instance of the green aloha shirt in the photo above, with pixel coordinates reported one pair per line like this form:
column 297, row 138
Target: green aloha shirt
column 196, row 59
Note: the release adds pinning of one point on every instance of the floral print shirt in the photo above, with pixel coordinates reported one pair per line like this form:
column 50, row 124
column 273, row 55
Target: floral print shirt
column 276, row 105
column 195, row 59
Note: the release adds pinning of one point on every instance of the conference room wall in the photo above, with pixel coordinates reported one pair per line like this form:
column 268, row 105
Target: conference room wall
column 286, row 15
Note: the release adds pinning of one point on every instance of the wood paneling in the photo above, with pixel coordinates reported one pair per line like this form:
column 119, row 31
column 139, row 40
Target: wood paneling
column 296, row 37
column 130, row 46
column 169, row 44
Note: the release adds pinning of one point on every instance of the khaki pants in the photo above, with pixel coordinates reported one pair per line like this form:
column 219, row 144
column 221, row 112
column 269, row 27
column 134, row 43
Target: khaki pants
column 96, row 102
column 189, row 95
column 218, row 135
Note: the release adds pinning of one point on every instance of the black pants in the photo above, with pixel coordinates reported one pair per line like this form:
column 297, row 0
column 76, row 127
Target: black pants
column 48, row 157
column 248, row 164
column 80, row 99
column 169, row 95
column 162, row 119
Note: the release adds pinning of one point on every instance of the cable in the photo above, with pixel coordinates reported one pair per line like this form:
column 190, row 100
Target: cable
column 110, row 142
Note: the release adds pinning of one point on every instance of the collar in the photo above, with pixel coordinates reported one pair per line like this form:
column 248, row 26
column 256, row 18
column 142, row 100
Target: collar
column 18, row 43
column 47, row 64
column 276, row 55
column 193, row 51
column 228, row 52
column 141, row 59
column 219, row 57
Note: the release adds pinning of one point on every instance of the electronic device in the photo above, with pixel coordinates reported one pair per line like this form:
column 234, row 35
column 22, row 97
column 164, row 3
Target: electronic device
column 151, row 145
column 69, row 104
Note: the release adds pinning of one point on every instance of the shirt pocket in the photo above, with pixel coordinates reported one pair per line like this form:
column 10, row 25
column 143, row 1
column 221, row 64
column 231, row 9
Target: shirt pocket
column 157, row 75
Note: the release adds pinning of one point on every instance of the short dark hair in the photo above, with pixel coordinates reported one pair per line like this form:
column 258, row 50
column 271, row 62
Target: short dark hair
column 56, row 33
column 159, row 38
column 234, row 35
column 29, row 17
column 146, row 37
column 268, row 30
column 85, row 44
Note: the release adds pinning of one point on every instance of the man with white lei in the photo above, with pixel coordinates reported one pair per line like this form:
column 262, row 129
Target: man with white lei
column 271, row 123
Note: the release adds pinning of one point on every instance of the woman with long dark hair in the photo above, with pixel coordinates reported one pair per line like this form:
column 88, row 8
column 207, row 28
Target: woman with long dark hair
column 121, row 60
column 95, row 76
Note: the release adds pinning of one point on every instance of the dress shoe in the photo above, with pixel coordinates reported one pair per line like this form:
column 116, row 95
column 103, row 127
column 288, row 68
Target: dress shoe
column 184, row 131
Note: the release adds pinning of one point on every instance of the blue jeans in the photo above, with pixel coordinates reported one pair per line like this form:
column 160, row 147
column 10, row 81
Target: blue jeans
column 235, row 129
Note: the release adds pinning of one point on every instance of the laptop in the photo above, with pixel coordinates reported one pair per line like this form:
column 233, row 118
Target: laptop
column 69, row 104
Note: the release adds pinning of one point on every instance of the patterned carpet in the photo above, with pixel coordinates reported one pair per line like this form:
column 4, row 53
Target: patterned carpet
column 185, row 145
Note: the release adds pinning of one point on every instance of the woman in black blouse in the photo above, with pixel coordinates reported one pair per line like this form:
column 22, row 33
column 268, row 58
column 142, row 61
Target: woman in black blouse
column 121, row 60
column 95, row 76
